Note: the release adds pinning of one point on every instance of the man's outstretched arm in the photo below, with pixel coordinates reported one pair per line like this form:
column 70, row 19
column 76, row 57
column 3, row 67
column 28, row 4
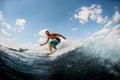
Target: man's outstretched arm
column 61, row 36
column 45, row 42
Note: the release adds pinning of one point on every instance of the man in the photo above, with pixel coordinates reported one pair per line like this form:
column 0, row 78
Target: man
column 55, row 40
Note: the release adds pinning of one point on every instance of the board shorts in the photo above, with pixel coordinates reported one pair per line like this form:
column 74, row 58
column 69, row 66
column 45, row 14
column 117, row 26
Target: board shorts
column 54, row 43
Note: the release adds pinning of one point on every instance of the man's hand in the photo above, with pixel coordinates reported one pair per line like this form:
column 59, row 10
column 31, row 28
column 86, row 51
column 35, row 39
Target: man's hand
column 41, row 44
column 64, row 37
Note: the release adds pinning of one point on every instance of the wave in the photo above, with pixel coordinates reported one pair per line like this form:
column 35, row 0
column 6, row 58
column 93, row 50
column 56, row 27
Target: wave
column 91, row 60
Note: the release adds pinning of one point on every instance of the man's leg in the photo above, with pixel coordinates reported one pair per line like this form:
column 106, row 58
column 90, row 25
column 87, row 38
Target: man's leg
column 50, row 48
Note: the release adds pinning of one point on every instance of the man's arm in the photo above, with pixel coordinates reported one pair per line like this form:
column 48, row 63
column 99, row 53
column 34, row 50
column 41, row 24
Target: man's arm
column 61, row 36
column 45, row 42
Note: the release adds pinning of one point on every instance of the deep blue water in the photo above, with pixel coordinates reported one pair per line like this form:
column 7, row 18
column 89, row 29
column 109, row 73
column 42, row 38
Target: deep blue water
column 74, row 65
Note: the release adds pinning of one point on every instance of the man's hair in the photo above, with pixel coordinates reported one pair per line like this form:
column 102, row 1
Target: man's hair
column 46, row 31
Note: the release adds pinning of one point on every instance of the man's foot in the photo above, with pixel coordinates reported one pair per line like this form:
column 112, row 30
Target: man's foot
column 49, row 53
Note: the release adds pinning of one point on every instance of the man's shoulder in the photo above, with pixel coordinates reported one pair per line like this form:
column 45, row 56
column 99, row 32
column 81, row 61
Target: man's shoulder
column 53, row 33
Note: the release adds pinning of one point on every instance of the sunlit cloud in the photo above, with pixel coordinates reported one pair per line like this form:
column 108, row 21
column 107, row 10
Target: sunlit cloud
column 111, row 30
column 108, row 23
column 42, row 39
column 7, row 42
column 100, row 19
column 42, row 32
column 115, row 33
column 3, row 22
column 74, row 29
column 1, row 16
column 8, row 39
column 4, row 32
column 20, row 22
column 101, row 32
column 116, row 16
column 84, row 14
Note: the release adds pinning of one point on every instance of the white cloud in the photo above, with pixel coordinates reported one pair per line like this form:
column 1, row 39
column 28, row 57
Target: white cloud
column 116, row 16
column 8, row 30
column 7, row 42
column 108, row 34
column 10, row 40
column 82, row 15
column 8, row 26
column 42, row 32
column 36, row 48
column 115, row 33
column 90, row 13
column 108, row 23
column 3, row 22
column 42, row 40
column 4, row 32
column 1, row 16
column 31, row 45
column 74, row 29
column 93, row 17
column 115, row 19
column 111, row 29
column 101, row 32
column 100, row 19
column 20, row 22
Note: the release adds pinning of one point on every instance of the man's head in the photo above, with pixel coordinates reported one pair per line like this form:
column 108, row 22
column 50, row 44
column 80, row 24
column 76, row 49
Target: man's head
column 47, row 33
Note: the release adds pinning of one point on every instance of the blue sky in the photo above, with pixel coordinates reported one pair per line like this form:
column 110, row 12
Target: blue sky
column 23, row 19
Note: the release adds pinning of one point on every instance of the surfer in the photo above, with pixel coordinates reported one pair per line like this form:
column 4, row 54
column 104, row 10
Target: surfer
column 53, row 39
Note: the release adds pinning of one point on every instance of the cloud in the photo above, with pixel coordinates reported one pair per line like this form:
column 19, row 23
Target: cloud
column 42, row 32
column 31, row 45
column 20, row 22
column 101, row 32
column 4, row 32
column 100, row 19
column 1, row 16
column 7, row 42
column 108, row 34
column 115, row 19
column 108, row 23
column 3, row 22
column 36, row 48
column 116, row 16
column 8, row 26
column 74, row 29
column 10, row 40
column 42, row 40
column 111, row 30
column 40, row 37
column 10, row 32
column 115, row 33
column 82, row 15
column 90, row 13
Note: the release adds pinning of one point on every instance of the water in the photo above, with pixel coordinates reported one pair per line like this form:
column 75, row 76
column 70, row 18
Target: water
column 91, row 60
